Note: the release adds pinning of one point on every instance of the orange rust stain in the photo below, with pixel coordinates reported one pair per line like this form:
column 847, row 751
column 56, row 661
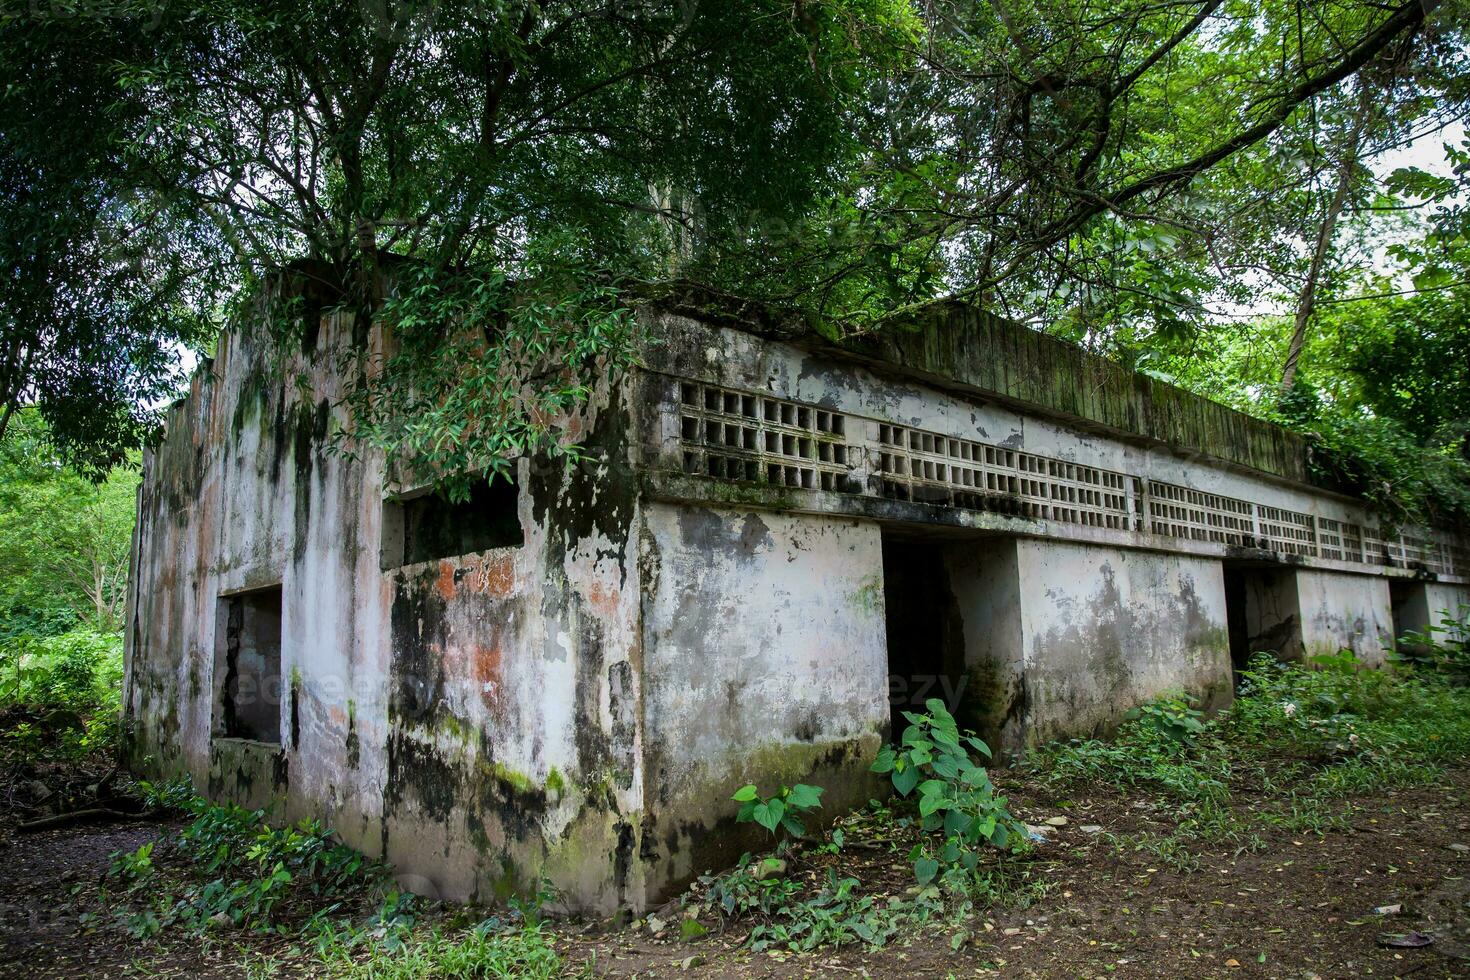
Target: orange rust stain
column 602, row 599
column 487, row 670
column 338, row 718
column 444, row 584
column 498, row 577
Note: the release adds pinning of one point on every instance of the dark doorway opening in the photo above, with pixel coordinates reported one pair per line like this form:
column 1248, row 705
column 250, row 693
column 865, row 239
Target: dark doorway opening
column 926, row 635
column 1236, row 621
column 1409, row 609
column 1404, row 598
column 1261, row 613
column 249, row 651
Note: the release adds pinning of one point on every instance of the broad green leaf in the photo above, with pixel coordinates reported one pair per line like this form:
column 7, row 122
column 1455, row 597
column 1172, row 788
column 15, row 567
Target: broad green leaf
column 804, row 797
column 906, row 780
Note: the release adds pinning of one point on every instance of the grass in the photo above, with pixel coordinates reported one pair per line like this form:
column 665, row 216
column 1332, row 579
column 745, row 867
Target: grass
column 1299, row 741
column 1286, row 760
column 482, row 953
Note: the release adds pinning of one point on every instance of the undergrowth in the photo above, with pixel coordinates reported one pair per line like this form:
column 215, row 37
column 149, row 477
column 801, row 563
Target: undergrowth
column 229, row 869
column 1288, row 758
column 1303, row 740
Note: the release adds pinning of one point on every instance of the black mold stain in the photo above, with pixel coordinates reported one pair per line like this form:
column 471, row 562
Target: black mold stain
column 517, row 809
column 754, row 534
column 623, row 705
column 295, row 715
column 281, row 438
column 715, row 841
column 807, row 728
column 592, row 497
column 416, row 772
column 354, row 744
column 419, row 634
column 622, row 860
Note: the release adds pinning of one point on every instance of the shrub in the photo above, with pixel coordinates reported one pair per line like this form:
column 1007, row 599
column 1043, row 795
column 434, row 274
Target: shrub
column 781, row 811
column 956, row 798
column 251, row 874
column 59, row 694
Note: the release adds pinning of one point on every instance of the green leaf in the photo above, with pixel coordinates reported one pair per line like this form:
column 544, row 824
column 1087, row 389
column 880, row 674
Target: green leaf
column 979, row 746
column 946, row 738
column 793, row 826
column 769, row 814
column 925, row 868
column 906, row 780
column 957, row 822
column 745, row 794
column 804, row 797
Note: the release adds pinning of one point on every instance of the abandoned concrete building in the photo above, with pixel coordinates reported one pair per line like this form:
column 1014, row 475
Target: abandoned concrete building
column 779, row 540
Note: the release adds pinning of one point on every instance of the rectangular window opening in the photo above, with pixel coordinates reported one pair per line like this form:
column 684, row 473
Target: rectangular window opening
column 248, row 657
column 431, row 527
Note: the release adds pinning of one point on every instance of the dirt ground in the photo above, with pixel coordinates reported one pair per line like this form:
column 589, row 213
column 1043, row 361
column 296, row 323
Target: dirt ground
column 1304, row 906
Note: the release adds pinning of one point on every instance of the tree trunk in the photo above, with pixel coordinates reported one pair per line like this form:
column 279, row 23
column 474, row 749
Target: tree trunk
column 1306, row 303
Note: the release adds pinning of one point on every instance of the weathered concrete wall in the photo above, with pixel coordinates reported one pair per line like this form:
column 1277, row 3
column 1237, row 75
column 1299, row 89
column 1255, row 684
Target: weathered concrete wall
column 954, row 345
column 582, row 705
column 764, row 661
column 1105, row 632
column 1419, row 606
column 474, row 719
column 1442, row 598
column 1339, row 611
column 1064, row 639
column 985, row 575
column 1273, row 615
column 1161, row 497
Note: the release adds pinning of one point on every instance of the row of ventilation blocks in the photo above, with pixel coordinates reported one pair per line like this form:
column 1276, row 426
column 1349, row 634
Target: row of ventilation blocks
column 741, row 436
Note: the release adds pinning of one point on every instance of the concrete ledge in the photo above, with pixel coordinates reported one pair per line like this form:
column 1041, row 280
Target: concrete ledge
column 703, row 490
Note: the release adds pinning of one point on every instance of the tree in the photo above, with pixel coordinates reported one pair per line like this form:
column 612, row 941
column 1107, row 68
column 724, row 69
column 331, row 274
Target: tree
column 485, row 142
column 100, row 285
column 1030, row 151
column 64, row 539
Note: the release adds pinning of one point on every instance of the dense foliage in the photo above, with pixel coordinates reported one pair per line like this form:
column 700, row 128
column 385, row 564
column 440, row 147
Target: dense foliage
column 1197, row 188
column 63, row 539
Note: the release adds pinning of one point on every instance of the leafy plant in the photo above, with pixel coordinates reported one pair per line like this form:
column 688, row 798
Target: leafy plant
column 782, row 810
column 1442, row 649
column 486, row 951
column 751, row 887
column 1172, row 716
column 835, row 916
column 956, row 798
column 252, row 875
column 133, row 866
